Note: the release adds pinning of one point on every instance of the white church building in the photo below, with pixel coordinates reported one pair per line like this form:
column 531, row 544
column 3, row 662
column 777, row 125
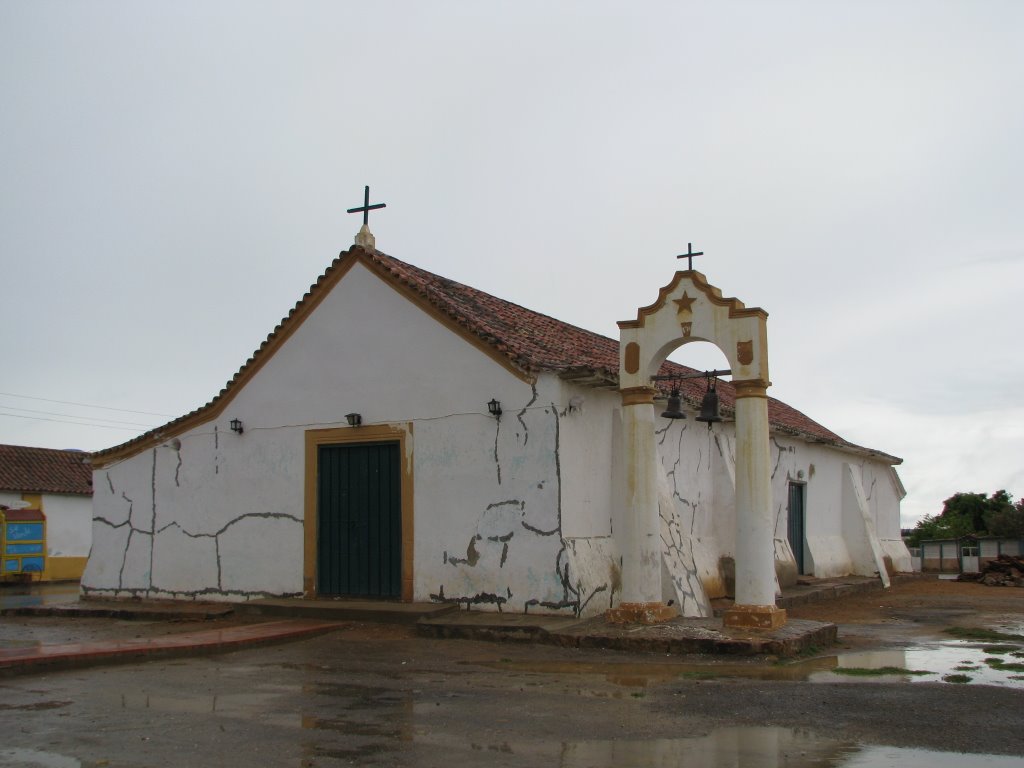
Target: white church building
column 403, row 436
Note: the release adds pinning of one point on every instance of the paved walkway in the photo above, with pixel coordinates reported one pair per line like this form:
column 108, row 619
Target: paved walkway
column 16, row 660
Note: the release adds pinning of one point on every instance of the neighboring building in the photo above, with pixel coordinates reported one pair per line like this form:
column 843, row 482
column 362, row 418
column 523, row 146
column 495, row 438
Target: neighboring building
column 267, row 490
column 968, row 554
column 59, row 484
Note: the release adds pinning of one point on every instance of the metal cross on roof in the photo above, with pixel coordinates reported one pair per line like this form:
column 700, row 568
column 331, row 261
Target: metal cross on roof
column 689, row 255
column 365, row 208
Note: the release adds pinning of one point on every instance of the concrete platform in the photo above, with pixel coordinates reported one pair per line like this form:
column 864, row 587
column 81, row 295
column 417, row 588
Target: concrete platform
column 679, row 636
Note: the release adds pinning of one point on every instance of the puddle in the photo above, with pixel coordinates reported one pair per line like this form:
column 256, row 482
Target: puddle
column 38, row 594
column 34, row 758
column 953, row 662
column 749, row 747
column 239, row 704
column 640, row 675
column 897, row 757
column 37, row 706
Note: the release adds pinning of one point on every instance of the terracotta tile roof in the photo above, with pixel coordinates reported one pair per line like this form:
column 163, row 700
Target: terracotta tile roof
column 44, row 470
column 537, row 342
column 530, row 341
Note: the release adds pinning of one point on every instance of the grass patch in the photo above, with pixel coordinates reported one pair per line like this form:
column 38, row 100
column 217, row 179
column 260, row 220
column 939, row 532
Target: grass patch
column 1000, row 648
column 877, row 671
column 975, row 633
column 637, row 694
column 700, row 675
column 957, row 678
column 1018, row 654
column 966, row 667
column 1004, row 666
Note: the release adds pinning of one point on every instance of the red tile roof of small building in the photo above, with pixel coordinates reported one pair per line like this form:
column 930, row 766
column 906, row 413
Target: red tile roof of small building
column 44, row 470
column 530, row 341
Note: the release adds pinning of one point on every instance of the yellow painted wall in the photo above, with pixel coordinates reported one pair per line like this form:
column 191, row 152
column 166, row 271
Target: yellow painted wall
column 64, row 568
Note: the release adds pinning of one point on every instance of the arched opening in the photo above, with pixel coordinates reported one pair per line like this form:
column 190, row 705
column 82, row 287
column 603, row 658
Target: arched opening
column 701, row 356
column 692, row 324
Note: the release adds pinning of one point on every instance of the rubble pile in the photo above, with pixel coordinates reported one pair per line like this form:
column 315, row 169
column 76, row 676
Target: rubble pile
column 1004, row 571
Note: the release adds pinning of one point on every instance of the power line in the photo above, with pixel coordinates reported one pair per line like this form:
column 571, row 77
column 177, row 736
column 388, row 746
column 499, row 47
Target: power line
column 64, row 421
column 73, row 416
column 87, row 405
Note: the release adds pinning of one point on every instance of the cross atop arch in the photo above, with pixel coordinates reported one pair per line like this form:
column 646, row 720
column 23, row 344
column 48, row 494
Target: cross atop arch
column 689, row 256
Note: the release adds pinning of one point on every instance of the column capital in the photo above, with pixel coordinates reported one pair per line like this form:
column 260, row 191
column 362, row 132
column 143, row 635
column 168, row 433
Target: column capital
column 751, row 388
column 638, row 395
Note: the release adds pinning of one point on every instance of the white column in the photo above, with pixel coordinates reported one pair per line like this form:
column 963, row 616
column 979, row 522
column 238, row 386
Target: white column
column 640, row 541
column 755, row 546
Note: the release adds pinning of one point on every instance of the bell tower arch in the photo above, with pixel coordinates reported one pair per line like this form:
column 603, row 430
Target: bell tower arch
column 691, row 309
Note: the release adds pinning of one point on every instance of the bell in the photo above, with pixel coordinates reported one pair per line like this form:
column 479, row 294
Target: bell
column 709, row 406
column 674, row 408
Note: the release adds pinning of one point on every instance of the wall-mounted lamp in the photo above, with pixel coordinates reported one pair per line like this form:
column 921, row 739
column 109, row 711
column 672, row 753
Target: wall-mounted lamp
column 494, row 408
column 236, row 426
column 354, row 419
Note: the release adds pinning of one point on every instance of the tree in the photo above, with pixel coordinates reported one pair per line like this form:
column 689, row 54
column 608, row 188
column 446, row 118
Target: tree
column 972, row 514
column 1007, row 523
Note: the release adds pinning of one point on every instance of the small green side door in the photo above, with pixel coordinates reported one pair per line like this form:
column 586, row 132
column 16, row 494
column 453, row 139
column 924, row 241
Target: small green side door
column 797, row 523
column 359, row 520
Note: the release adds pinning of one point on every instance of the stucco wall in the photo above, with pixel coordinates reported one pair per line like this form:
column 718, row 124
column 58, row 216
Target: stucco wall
column 220, row 515
column 68, row 525
column 488, row 508
column 700, row 469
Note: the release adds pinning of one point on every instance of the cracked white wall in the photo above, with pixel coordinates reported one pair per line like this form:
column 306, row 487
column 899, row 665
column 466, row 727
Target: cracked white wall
column 832, row 526
column 517, row 515
column 221, row 516
column 495, row 538
column 698, row 528
column 591, row 457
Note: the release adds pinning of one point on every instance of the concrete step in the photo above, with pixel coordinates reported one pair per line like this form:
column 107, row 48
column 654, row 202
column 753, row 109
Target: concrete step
column 488, row 625
column 382, row 612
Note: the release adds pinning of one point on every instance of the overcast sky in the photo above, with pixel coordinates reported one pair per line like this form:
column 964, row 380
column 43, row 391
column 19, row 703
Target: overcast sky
column 173, row 177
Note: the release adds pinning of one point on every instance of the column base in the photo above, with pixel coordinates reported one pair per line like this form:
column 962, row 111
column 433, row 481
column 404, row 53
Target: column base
column 754, row 617
column 641, row 613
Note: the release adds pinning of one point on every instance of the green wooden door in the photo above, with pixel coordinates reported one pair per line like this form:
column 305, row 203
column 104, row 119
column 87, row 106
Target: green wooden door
column 359, row 520
column 797, row 524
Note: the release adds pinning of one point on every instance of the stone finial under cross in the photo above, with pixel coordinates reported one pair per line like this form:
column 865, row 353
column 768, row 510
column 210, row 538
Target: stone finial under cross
column 689, row 256
column 365, row 238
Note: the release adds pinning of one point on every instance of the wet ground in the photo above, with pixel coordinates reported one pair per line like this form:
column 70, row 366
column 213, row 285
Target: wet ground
column 379, row 695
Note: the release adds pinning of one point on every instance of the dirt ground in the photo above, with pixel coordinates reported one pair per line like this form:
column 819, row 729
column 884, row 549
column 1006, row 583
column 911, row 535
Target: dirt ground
column 917, row 607
column 380, row 695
